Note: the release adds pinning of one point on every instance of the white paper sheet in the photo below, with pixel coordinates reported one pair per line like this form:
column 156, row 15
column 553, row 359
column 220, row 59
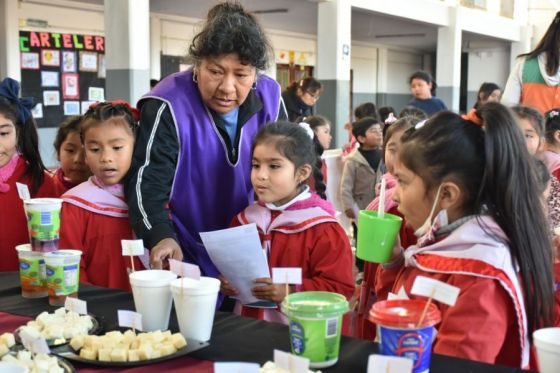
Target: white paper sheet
column 238, row 255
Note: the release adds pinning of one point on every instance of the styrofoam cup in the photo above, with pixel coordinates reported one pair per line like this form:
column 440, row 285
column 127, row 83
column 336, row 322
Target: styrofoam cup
column 547, row 342
column 152, row 297
column 195, row 304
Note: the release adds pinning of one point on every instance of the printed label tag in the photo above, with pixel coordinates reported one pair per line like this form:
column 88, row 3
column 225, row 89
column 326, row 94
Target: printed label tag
column 183, row 269
column 23, row 191
column 438, row 290
column 389, row 364
column 132, row 247
column 286, row 275
column 130, row 319
column 76, row 305
column 290, row 362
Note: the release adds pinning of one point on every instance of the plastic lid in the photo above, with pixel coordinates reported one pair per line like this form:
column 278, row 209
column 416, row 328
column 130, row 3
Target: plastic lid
column 315, row 304
column 404, row 313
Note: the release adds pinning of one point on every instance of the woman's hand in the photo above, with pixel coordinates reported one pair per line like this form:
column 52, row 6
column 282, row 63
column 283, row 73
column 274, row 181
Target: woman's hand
column 226, row 288
column 165, row 249
column 269, row 291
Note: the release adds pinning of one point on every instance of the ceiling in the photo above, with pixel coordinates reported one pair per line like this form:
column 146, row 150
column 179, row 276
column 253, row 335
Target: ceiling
column 301, row 16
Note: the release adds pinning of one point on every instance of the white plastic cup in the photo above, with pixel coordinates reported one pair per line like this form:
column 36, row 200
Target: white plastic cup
column 195, row 305
column 547, row 342
column 152, row 297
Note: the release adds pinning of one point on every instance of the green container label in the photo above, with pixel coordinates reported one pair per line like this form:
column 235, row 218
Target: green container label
column 63, row 280
column 33, row 272
column 316, row 339
column 44, row 226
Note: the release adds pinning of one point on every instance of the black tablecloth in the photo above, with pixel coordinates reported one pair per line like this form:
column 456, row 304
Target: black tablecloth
column 234, row 338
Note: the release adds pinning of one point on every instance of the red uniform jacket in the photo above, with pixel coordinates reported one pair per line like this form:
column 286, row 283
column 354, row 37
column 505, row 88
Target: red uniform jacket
column 13, row 222
column 61, row 185
column 96, row 226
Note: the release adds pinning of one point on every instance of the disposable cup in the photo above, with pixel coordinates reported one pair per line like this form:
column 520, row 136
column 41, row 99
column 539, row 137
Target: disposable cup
column 195, row 305
column 315, row 322
column 43, row 222
column 152, row 297
column 547, row 342
column 399, row 332
column 32, row 272
column 376, row 236
column 63, row 275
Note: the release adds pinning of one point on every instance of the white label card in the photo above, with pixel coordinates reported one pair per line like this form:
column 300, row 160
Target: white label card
column 286, row 275
column 183, row 269
column 76, row 305
column 236, row 368
column 438, row 290
column 132, row 247
column 130, row 319
column 389, row 364
column 23, row 191
column 291, row 363
column 35, row 345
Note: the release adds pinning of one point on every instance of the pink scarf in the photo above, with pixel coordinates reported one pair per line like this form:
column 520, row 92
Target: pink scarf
column 6, row 172
column 116, row 189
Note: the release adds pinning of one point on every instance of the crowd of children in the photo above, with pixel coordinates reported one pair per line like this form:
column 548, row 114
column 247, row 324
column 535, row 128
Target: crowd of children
column 479, row 209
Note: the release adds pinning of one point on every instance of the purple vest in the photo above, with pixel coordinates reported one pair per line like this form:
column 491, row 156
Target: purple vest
column 208, row 191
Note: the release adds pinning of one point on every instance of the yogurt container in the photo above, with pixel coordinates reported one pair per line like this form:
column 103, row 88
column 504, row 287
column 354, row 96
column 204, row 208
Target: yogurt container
column 315, row 321
column 399, row 332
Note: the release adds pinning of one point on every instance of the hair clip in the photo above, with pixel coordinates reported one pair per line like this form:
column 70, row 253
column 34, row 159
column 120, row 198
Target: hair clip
column 390, row 119
column 307, row 129
column 552, row 113
column 9, row 89
column 420, row 124
column 473, row 117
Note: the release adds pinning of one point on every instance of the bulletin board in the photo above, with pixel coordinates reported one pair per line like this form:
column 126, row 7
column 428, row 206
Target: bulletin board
column 64, row 73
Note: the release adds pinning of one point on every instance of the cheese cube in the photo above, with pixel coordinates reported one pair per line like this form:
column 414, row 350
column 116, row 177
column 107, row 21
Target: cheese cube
column 104, row 354
column 157, row 336
column 178, row 340
column 10, row 359
column 156, row 354
column 60, row 312
column 145, row 352
column 3, row 349
column 7, row 339
column 133, row 355
column 88, row 354
column 77, row 342
column 167, row 349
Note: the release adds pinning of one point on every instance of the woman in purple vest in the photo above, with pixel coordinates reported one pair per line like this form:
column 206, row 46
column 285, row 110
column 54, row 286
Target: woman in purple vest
column 191, row 167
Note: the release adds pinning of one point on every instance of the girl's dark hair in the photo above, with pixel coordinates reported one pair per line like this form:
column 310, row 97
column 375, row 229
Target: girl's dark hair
column 366, row 109
column 543, row 175
column 384, row 112
column 550, row 46
column 230, row 29
column 425, row 76
column 401, row 124
column 494, row 170
column 532, row 115
column 104, row 111
column 309, row 84
column 314, row 122
column 413, row 111
column 485, row 90
column 27, row 144
column 552, row 124
column 293, row 142
column 71, row 124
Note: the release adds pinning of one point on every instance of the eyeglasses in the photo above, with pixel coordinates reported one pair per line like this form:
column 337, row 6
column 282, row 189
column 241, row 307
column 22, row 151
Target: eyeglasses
column 314, row 97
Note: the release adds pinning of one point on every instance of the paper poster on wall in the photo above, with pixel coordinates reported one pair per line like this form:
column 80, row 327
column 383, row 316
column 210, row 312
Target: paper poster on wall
column 51, row 98
column 71, row 107
column 70, row 86
column 49, row 78
column 88, row 61
column 37, row 111
column 69, row 62
column 96, row 94
column 102, row 67
column 30, row 61
column 85, row 106
column 50, row 57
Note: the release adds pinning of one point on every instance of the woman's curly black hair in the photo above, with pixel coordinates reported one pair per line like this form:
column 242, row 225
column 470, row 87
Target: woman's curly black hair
column 230, row 29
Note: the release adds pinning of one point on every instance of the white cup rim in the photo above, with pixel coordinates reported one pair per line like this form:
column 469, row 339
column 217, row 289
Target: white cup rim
column 151, row 278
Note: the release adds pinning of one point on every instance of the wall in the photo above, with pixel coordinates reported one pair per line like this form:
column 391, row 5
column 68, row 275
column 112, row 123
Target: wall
column 401, row 65
column 364, row 66
column 489, row 65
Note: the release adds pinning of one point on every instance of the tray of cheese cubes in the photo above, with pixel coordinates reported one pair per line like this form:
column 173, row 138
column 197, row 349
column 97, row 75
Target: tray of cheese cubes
column 129, row 348
column 33, row 363
column 59, row 327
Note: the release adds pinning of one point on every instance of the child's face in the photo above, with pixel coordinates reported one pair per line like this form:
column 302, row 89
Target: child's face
column 391, row 151
column 274, row 176
column 8, row 140
column 411, row 196
column 493, row 97
column 108, row 149
column 532, row 138
column 421, row 89
column 373, row 137
column 323, row 134
column 72, row 158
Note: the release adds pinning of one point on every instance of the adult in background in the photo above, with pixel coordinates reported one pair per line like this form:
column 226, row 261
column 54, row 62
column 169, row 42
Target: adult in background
column 300, row 97
column 535, row 78
column 191, row 166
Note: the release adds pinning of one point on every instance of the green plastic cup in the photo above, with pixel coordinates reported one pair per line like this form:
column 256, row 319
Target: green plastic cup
column 32, row 272
column 315, row 321
column 376, row 236
column 43, row 222
column 63, row 275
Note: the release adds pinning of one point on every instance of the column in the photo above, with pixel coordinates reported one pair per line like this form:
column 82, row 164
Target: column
column 127, row 49
column 9, row 40
column 155, row 47
column 382, row 77
column 333, row 65
column 448, row 61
